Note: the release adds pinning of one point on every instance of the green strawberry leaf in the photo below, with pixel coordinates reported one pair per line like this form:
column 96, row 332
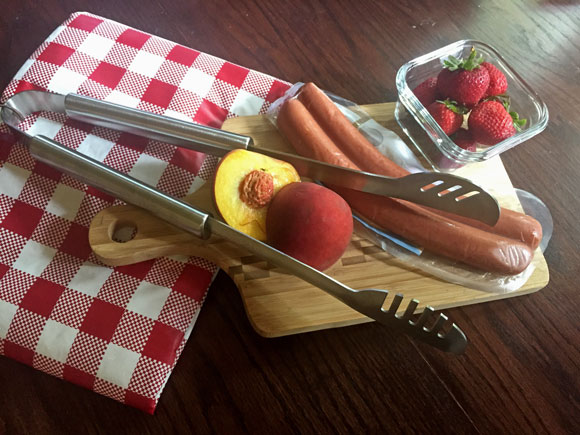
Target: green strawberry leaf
column 472, row 62
column 452, row 63
column 519, row 123
column 454, row 106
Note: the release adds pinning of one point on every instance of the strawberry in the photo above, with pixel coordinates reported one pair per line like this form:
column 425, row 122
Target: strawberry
column 426, row 91
column 490, row 122
column 497, row 80
column 463, row 139
column 448, row 115
column 463, row 80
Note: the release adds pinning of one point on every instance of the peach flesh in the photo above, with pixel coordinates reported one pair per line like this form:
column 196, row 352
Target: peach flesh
column 247, row 211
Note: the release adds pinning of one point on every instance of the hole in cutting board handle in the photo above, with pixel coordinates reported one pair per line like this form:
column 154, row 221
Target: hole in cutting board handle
column 123, row 231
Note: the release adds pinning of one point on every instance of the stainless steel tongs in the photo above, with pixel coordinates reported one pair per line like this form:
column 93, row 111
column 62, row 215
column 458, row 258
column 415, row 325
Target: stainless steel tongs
column 441, row 334
column 437, row 190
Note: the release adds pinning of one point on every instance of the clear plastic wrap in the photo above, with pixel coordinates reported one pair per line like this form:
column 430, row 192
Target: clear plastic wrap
column 385, row 140
column 457, row 273
column 390, row 145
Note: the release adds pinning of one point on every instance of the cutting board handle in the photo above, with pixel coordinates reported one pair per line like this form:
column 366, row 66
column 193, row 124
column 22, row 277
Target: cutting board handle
column 154, row 238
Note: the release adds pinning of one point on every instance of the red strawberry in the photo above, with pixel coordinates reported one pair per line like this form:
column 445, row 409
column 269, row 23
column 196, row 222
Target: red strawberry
column 463, row 139
column 426, row 92
column 448, row 115
column 497, row 80
column 490, row 122
column 464, row 81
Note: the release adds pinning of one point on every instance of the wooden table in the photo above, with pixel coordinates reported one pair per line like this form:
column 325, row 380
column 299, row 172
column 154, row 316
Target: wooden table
column 520, row 373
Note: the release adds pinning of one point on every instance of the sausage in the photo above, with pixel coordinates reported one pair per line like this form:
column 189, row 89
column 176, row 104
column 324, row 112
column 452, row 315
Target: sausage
column 435, row 233
column 460, row 242
column 512, row 224
column 345, row 135
column 359, row 150
column 307, row 137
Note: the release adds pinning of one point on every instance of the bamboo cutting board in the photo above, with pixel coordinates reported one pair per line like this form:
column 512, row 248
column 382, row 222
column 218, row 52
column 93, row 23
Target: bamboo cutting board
column 278, row 303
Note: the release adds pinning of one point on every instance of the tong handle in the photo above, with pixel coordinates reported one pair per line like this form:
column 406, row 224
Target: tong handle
column 122, row 186
column 208, row 140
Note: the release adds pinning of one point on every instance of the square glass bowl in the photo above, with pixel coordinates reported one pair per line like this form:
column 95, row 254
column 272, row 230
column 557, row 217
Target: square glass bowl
column 431, row 142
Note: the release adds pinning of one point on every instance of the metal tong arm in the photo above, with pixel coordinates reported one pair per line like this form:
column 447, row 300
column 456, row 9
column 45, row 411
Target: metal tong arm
column 480, row 206
column 188, row 218
column 207, row 140
column 120, row 185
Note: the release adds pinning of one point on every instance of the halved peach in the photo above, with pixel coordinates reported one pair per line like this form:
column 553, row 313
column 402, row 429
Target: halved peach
column 245, row 182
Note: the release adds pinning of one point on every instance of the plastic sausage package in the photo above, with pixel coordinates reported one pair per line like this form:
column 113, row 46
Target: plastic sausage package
column 390, row 145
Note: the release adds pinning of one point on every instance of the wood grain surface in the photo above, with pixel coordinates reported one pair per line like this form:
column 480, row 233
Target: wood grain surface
column 520, row 373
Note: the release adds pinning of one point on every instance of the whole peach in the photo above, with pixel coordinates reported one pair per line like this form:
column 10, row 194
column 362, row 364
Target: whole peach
column 310, row 223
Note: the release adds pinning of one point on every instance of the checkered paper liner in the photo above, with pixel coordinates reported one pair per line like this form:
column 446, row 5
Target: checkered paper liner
column 117, row 331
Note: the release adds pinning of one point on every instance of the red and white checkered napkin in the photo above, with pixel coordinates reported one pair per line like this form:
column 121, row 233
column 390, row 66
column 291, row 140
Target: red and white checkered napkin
column 117, row 331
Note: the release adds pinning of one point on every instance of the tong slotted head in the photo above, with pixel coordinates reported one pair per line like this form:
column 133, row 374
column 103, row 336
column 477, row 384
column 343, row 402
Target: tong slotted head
column 449, row 193
column 441, row 191
column 437, row 190
column 370, row 302
column 367, row 301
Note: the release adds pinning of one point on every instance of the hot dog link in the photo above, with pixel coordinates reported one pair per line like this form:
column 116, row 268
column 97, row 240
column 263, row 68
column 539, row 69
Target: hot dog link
column 460, row 242
column 435, row 233
column 359, row 150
